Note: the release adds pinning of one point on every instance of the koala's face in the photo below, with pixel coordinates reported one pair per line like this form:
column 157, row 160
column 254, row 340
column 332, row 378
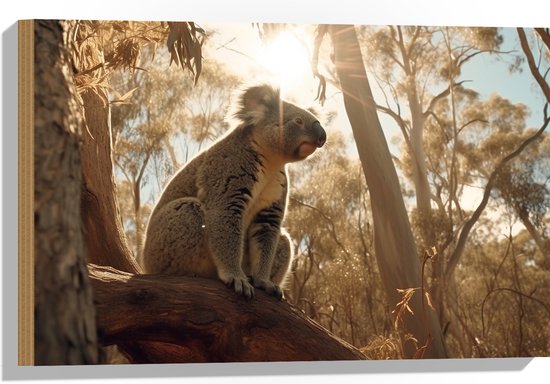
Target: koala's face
column 283, row 128
column 301, row 133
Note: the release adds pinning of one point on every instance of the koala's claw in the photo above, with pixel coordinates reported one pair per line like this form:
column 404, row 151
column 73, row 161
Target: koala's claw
column 241, row 287
column 268, row 286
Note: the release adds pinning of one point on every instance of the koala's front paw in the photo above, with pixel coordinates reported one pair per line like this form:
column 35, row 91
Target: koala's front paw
column 267, row 286
column 241, row 286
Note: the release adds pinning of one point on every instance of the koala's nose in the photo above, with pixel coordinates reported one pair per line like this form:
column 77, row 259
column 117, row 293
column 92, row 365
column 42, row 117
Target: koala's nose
column 320, row 133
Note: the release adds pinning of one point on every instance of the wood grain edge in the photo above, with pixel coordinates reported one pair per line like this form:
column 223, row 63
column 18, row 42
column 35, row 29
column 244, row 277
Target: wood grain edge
column 25, row 239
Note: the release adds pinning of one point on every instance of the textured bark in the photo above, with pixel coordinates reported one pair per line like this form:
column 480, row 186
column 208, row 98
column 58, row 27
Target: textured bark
column 183, row 319
column 105, row 241
column 395, row 248
column 65, row 329
column 104, row 233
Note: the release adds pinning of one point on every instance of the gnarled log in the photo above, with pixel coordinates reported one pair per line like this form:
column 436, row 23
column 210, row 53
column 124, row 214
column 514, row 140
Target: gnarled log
column 173, row 319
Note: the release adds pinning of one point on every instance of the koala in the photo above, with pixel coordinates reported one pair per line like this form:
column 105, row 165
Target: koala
column 220, row 215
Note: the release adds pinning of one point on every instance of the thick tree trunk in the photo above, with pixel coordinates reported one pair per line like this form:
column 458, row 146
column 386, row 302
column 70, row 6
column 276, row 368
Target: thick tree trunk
column 104, row 233
column 105, row 240
column 398, row 262
column 65, row 329
column 183, row 319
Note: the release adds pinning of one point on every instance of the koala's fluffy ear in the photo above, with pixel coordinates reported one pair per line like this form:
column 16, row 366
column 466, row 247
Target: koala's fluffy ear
column 256, row 103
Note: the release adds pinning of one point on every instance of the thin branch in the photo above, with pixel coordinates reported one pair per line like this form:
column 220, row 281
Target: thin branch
column 471, row 122
column 236, row 51
column 330, row 222
column 398, row 119
column 532, row 66
column 467, row 58
column 441, row 95
column 123, row 169
column 143, row 167
column 521, row 294
column 322, row 86
column 413, row 40
column 406, row 59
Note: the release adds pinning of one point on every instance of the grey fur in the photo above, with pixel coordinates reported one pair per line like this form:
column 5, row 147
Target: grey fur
column 221, row 214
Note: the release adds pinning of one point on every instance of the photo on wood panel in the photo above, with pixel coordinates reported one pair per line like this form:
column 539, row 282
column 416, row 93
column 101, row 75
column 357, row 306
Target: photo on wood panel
column 200, row 192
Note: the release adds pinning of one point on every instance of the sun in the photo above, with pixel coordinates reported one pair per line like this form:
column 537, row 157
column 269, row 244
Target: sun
column 286, row 58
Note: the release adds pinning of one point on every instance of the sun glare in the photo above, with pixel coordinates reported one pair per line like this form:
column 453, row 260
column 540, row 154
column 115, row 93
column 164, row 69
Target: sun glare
column 286, row 59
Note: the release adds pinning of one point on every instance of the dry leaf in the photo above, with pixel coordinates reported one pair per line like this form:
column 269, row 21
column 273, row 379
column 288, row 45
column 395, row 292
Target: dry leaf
column 124, row 98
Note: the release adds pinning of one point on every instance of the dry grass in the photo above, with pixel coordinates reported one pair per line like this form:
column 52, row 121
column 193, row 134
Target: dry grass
column 383, row 348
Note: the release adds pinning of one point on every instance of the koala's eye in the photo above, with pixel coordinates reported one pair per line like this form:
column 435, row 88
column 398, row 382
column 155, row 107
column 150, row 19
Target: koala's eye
column 299, row 121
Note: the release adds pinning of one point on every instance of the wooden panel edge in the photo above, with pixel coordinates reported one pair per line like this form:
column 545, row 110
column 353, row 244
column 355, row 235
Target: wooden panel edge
column 25, row 239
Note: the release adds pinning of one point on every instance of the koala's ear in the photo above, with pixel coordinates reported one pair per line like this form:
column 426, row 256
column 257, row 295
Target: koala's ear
column 256, row 103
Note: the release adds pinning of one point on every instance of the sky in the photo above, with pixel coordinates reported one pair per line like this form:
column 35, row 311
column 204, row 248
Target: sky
column 490, row 75
column 285, row 61
column 239, row 46
column 418, row 12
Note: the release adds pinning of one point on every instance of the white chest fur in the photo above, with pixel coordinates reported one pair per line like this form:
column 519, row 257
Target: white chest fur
column 265, row 192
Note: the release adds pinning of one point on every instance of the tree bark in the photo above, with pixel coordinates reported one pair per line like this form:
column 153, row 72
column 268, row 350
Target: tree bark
column 65, row 329
column 104, row 233
column 540, row 79
column 395, row 249
column 184, row 319
column 416, row 146
column 137, row 214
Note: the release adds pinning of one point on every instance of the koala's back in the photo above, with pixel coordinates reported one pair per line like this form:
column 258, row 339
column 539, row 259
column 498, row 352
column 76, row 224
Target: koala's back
column 205, row 177
column 204, row 185
column 183, row 183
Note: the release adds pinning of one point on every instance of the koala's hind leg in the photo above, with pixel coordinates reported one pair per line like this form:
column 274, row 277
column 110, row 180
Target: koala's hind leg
column 175, row 241
column 283, row 258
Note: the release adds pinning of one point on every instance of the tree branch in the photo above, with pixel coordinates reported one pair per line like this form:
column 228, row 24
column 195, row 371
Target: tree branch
column 544, row 36
column 519, row 293
column 440, row 96
column 532, row 66
column 162, row 319
column 330, row 222
column 398, row 119
column 464, row 233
